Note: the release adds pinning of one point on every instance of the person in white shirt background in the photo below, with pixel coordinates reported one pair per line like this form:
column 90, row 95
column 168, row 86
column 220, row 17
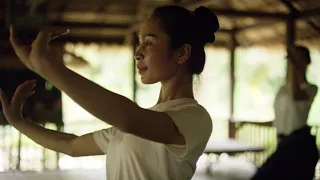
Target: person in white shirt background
column 163, row 142
column 294, row 100
column 296, row 155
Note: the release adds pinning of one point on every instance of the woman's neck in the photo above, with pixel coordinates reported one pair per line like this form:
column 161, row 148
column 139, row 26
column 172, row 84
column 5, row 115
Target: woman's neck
column 301, row 80
column 176, row 88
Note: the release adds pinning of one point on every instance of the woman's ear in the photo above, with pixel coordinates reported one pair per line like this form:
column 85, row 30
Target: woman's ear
column 184, row 53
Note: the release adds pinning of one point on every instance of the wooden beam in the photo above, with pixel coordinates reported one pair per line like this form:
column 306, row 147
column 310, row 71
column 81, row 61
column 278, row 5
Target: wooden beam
column 68, row 38
column 279, row 39
column 309, row 13
column 92, row 16
column 222, row 30
column 302, row 15
column 253, row 14
column 295, row 13
column 87, row 25
column 194, row 5
column 135, row 27
column 235, row 13
column 257, row 25
column 70, row 24
column 290, row 7
column 108, row 35
column 141, row 9
column 87, row 39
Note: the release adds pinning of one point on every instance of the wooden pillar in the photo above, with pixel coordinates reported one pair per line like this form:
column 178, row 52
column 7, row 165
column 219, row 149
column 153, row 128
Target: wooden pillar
column 233, row 46
column 60, row 128
column 134, row 41
column 18, row 165
column 291, row 34
column 44, row 160
column 291, row 30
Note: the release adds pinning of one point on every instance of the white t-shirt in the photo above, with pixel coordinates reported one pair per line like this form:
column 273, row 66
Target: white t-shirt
column 130, row 157
column 291, row 114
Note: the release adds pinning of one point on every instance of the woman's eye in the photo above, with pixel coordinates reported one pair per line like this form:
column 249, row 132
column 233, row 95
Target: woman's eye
column 147, row 43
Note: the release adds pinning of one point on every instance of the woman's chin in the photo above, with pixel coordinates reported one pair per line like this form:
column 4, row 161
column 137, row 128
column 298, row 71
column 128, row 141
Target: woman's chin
column 146, row 80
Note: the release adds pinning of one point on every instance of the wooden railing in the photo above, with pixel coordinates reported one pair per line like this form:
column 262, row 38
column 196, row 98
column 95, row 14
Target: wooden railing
column 262, row 134
column 255, row 133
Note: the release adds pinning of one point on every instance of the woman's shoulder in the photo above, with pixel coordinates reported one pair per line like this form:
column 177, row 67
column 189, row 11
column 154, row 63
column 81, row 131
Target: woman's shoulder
column 197, row 115
column 186, row 110
column 193, row 108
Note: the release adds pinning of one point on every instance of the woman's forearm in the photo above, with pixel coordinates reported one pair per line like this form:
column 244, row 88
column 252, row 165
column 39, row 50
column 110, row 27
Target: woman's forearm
column 107, row 106
column 54, row 140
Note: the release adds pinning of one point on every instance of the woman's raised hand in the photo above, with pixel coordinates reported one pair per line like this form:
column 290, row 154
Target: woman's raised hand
column 37, row 55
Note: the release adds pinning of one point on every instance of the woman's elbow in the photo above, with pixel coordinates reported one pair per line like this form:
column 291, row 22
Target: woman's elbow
column 129, row 121
column 126, row 125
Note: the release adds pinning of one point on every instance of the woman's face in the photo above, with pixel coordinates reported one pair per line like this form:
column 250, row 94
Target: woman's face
column 155, row 61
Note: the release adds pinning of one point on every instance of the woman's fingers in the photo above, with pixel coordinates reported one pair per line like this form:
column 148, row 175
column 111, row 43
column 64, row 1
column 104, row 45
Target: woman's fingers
column 23, row 91
column 21, row 50
column 15, row 42
column 58, row 33
column 41, row 40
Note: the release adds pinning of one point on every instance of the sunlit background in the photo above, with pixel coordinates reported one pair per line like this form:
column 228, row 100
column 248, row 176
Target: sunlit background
column 259, row 72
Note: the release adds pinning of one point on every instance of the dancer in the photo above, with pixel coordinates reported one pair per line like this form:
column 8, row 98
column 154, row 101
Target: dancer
column 162, row 142
column 293, row 101
column 297, row 154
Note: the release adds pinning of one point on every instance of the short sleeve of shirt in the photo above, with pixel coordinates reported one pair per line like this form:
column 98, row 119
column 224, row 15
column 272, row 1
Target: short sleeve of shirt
column 195, row 124
column 103, row 137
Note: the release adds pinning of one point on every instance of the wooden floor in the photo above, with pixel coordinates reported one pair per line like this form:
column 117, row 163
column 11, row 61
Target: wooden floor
column 69, row 175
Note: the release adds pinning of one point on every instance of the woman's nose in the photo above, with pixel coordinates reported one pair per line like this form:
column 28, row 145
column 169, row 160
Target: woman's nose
column 138, row 55
column 137, row 58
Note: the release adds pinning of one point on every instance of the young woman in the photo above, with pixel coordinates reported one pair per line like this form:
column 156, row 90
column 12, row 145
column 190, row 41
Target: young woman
column 163, row 142
column 293, row 100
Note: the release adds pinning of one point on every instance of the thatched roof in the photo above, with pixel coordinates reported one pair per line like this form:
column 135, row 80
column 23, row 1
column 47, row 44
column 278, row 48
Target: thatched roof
column 251, row 21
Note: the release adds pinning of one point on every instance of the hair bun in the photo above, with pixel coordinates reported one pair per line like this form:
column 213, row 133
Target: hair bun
column 208, row 24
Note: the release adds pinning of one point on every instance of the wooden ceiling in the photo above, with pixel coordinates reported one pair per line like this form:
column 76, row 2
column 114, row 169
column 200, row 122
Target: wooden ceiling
column 112, row 21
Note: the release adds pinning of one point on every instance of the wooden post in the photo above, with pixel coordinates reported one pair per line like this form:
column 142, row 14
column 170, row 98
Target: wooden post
column 134, row 41
column 291, row 30
column 291, row 33
column 232, row 82
column 18, row 165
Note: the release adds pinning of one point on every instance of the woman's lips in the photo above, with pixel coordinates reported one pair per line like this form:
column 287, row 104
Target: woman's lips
column 142, row 69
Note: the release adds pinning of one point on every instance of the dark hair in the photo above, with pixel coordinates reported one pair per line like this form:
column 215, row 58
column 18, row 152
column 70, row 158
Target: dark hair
column 186, row 27
column 305, row 52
